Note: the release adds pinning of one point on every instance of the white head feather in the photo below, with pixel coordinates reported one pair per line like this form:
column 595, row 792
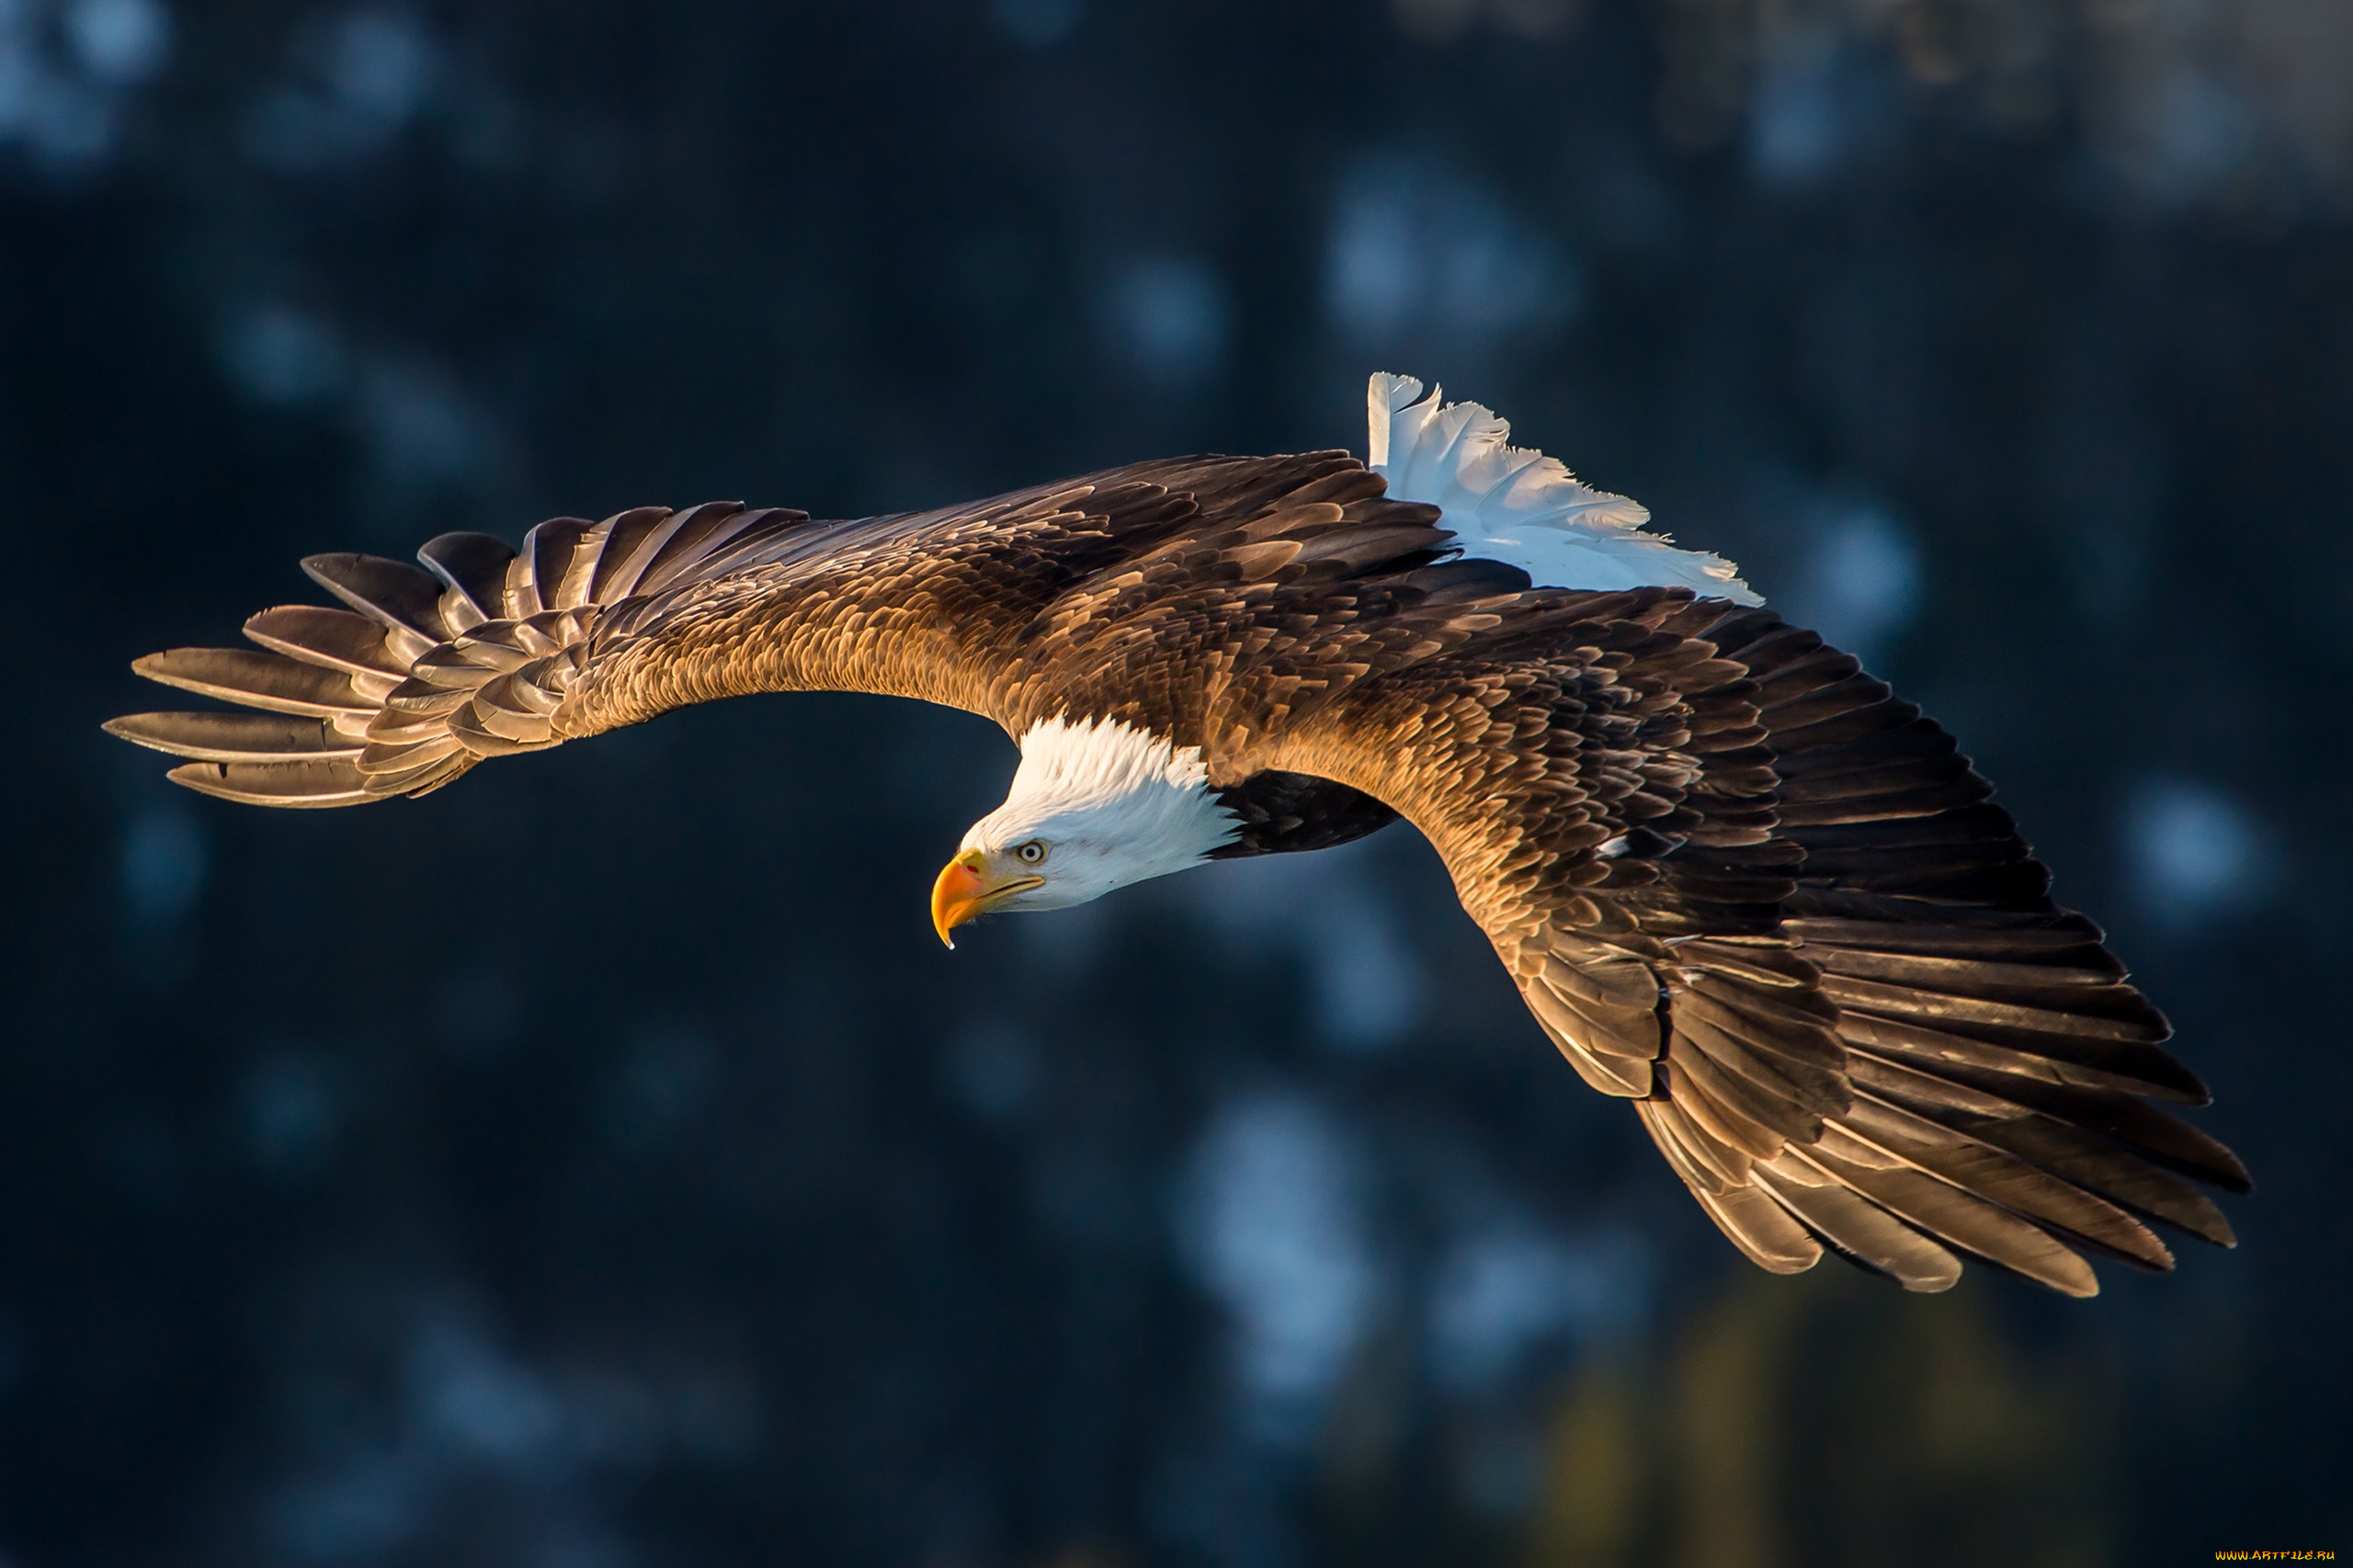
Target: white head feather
column 1521, row 508
column 1112, row 804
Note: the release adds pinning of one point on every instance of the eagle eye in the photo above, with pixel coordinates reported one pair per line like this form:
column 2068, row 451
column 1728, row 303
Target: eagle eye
column 1032, row 853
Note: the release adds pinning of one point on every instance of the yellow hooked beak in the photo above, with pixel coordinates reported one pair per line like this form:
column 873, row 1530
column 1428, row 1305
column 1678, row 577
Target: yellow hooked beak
column 964, row 892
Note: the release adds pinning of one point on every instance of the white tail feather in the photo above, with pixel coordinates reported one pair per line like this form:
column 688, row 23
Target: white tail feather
column 1521, row 508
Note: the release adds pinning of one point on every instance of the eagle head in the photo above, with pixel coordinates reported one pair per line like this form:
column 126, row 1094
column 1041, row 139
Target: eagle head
column 1095, row 804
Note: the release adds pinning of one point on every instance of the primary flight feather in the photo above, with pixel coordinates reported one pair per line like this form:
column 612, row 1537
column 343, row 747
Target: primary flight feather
column 1738, row 882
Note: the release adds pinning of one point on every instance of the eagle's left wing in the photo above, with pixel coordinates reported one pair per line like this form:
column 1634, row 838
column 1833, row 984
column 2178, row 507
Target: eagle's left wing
column 1741, row 884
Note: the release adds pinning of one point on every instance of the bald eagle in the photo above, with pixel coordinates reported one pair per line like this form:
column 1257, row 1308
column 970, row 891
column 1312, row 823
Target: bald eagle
column 1738, row 882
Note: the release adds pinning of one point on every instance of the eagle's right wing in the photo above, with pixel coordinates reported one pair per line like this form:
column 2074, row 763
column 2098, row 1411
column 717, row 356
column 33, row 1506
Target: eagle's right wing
column 486, row 649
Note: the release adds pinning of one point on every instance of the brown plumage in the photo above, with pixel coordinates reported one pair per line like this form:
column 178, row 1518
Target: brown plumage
column 1737, row 881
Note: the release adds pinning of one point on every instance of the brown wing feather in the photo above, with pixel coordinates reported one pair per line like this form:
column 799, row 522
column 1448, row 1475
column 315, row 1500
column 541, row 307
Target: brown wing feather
column 1743, row 884
column 1015, row 607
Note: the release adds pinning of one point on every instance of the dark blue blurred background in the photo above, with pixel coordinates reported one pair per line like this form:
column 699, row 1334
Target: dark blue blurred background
column 601, row 1164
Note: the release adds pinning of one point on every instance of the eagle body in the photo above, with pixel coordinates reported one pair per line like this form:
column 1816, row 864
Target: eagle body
column 1738, row 882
